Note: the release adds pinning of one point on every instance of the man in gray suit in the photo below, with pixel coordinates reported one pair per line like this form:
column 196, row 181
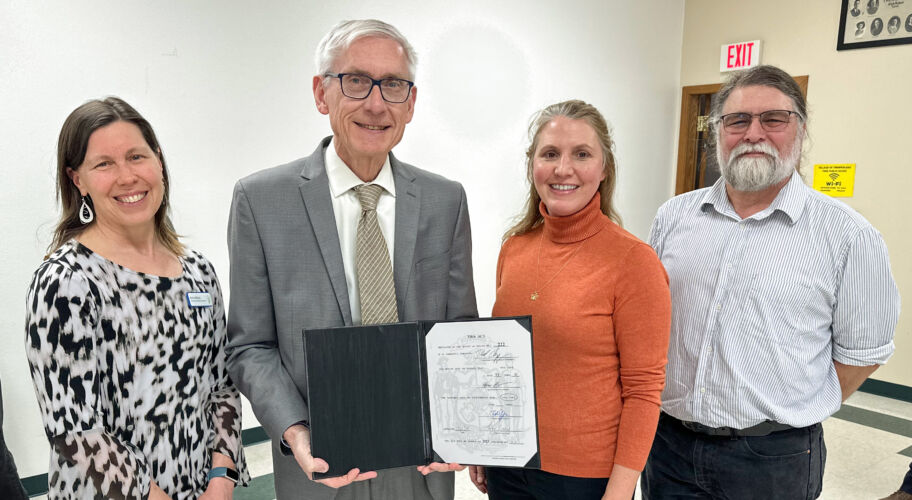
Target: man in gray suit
column 292, row 238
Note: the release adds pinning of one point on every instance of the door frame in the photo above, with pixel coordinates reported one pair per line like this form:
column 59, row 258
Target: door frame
column 687, row 136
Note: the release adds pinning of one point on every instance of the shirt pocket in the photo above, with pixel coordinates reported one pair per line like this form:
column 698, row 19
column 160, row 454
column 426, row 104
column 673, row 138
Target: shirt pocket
column 776, row 309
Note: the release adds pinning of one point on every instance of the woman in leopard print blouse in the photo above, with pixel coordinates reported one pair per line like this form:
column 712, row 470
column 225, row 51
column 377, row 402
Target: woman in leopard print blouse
column 125, row 328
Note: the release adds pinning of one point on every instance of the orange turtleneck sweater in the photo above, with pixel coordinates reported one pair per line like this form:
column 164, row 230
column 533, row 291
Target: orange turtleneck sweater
column 600, row 338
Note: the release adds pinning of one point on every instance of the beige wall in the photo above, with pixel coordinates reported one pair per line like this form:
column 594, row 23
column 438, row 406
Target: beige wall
column 860, row 112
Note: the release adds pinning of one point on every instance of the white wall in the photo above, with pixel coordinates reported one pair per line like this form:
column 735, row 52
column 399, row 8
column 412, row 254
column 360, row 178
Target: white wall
column 859, row 105
column 226, row 84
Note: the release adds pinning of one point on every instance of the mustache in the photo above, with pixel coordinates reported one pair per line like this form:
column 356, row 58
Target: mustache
column 760, row 147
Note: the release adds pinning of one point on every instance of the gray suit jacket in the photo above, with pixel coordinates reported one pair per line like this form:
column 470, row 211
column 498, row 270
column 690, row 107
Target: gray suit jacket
column 287, row 275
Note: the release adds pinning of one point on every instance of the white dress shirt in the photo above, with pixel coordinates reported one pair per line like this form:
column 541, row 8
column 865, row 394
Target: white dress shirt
column 347, row 211
column 762, row 306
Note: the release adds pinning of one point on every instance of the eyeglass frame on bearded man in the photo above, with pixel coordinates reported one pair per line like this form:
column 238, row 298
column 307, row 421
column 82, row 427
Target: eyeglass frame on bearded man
column 772, row 120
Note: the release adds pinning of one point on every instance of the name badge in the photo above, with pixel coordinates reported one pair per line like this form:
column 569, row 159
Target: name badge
column 199, row 299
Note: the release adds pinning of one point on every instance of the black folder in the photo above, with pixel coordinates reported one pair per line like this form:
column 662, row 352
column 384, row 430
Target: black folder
column 368, row 396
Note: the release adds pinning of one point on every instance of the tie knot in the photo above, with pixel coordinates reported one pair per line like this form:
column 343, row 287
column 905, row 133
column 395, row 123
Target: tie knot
column 368, row 194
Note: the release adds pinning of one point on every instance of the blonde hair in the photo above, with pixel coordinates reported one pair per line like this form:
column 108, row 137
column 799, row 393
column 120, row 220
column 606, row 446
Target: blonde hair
column 530, row 218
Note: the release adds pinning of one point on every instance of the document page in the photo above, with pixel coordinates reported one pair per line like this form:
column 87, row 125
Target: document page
column 482, row 392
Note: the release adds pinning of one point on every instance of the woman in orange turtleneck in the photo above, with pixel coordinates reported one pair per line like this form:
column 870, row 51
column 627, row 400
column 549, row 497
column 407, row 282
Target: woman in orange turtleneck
column 600, row 310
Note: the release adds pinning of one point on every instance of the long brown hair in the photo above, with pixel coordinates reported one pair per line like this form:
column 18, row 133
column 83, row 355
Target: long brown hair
column 71, row 151
column 574, row 109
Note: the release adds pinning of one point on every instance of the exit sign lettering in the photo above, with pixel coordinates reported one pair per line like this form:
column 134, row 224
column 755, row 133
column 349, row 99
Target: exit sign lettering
column 740, row 55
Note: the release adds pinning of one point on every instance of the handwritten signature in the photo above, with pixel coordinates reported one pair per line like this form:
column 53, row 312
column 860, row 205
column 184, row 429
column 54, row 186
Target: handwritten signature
column 492, row 353
column 499, row 414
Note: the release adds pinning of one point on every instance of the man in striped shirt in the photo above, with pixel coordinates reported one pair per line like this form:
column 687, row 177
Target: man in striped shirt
column 783, row 303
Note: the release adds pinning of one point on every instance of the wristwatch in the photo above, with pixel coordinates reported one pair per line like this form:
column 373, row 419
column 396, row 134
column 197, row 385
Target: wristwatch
column 223, row 472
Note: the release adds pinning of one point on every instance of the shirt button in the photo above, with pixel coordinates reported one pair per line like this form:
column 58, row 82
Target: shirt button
column 709, row 349
column 718, row 307
column 702, row 390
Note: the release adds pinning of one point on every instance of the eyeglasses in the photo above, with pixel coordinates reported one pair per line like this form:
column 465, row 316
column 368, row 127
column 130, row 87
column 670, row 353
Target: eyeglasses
column 771, row 121
column 356, row 86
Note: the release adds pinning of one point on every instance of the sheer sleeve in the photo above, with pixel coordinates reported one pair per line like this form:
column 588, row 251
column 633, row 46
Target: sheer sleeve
column 225, row 400
column 89, row 459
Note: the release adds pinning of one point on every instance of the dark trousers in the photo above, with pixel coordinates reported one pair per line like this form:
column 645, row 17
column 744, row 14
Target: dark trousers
column 907, row 482
column 531, row 484
column 10, row 487
column 783, row 465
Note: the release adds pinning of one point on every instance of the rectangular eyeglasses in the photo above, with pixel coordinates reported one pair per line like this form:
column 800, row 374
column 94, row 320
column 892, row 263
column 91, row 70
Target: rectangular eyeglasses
column 358, row 86
column 771, row 121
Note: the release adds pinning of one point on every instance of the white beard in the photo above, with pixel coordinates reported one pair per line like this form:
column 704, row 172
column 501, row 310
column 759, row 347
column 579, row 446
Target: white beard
column 757, row 173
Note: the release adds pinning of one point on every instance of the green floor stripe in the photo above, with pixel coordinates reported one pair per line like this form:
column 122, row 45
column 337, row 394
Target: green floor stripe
column 260, row 488
column 254, row 435
column 907, row 452
column 887, row 389
column 875, row 420
column 35, row 485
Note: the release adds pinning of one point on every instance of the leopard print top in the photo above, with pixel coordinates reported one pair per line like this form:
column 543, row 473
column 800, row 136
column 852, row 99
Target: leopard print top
column 131, row 381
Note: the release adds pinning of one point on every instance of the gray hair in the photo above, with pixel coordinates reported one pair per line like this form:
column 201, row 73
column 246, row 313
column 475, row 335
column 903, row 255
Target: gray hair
column 764, row 76
column 343, row 34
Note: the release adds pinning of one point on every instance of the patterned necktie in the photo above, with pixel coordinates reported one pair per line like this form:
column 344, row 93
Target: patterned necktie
column 375, row 272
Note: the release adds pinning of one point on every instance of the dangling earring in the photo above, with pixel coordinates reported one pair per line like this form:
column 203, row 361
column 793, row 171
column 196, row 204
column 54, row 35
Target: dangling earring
column 85, row 212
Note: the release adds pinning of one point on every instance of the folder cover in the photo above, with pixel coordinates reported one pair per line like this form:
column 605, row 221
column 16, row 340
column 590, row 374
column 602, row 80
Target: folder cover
column 407, row 394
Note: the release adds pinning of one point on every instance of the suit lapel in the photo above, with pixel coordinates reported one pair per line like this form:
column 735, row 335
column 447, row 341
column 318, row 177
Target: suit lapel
column 408, row 201
column 318, row 203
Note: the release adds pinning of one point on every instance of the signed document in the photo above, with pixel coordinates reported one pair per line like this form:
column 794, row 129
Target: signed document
column 412, row 393
column 481, row 392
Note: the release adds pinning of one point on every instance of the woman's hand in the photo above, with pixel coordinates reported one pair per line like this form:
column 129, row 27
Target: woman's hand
column 220, row 488
column 622, row 484
column 156, row 493
column 478, row 477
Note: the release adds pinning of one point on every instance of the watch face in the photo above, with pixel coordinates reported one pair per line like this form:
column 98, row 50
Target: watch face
column 233, row 475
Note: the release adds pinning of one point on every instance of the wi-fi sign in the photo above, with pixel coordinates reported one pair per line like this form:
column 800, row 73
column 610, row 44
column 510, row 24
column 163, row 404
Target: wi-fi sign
column 834, row 175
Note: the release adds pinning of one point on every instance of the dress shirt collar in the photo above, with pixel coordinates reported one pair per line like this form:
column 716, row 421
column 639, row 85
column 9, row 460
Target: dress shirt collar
column 342, row 179
column 790, row 200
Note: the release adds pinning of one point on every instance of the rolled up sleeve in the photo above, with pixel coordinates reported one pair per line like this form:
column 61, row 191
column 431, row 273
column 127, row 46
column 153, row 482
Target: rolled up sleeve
column 867, row 303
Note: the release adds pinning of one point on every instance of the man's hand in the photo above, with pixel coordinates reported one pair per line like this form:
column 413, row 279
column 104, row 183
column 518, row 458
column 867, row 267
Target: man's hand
column 477, row 475
column 439, row 467
column 298, row 438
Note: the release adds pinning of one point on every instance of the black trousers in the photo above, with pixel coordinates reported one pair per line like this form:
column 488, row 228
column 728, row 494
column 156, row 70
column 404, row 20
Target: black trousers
column 531, row 484
column 907, row 481
column 784, row 465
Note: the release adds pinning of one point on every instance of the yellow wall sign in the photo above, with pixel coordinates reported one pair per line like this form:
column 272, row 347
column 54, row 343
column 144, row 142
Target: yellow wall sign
column 836, row 180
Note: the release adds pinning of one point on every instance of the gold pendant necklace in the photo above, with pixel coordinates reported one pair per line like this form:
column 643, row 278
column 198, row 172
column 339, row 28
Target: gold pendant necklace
column 537, row 292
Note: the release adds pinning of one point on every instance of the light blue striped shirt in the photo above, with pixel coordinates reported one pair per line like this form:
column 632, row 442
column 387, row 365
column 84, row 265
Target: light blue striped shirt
column 762, row 306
